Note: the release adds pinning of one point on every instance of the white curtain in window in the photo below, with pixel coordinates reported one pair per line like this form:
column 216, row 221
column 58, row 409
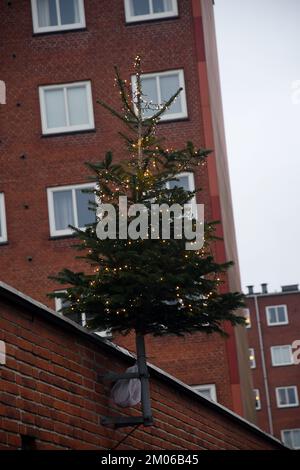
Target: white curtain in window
column 149, row 94
column 169, row 84
column 63, row 209
column 43, row 12
column 282, row 355
column 47, row 13
column 55, row 108
column 77, row 104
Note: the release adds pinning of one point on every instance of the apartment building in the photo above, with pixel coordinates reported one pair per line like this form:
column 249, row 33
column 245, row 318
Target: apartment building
column 274, row 353
column 57, row 59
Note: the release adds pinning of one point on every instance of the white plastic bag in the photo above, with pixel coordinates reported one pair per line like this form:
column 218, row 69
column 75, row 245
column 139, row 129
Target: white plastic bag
column 127, row 392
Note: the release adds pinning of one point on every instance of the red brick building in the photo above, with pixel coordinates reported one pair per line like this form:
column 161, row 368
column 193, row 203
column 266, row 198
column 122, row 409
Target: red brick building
column 57, row 59
column 273, row 332
column 52, row 395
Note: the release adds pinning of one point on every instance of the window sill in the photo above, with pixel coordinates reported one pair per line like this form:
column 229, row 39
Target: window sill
column 287, row 406
column 151, row 20
column 62, row 237
column 171, row 121
column 61, row 134
column 59, row 31
column 3, row 243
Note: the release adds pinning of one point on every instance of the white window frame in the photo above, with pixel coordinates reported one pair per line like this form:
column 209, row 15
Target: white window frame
column 289, row 405
column 58, row 306
column 289, row 430
column 191, row 178
column 252, row 353
column 286, row 363
column 210, row 387
column 278, row 323
column 3, row 237
column 247, row 316
column 50, row 191
column 167, row 117
column 69, row 128
column 59, row 27
column 257, row 396
column 150, row 16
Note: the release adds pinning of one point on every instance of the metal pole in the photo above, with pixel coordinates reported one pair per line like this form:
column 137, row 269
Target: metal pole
column 144, row 377
column 263, row 364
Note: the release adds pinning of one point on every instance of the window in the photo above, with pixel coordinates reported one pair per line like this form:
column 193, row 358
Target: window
column 158, row 88
column 287, row 396
column 207, row 391
column 143, row 10
column 81, row 319
column 66, row 108
column 62, row 303
column 69, row 205
column 257, row 399
column 277, row 315
column 291, row 438
column 3, row 232
column 252, row 358
column 281, row 355
column 57, row 15
column 187, row 182
column 247, row 317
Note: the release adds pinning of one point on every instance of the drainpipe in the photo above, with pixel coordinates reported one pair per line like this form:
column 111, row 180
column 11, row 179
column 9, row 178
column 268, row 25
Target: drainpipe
column 263, row 363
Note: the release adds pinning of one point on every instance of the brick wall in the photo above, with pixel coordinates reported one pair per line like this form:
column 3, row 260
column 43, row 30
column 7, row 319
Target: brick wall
column 49, row 390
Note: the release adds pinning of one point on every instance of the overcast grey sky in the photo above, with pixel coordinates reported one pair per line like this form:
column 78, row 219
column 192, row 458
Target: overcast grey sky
column 259, row 56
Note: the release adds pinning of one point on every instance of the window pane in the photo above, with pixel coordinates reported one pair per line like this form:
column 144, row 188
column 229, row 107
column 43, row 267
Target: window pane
column 291, row 394
column 205, row 392
column 77, row 105
column 160, row 6
column 55, row 108
column 85, row 216
column 0, row 222
column 139, row 7
column 63, row 209
column 282, row 397
column 65, row 303
column 69, row 11
column 296, row 438
column 272, row 315
column 286, row 354
column 287, row 438
column 168, row 86
column 150, row 94
column 281, row 314
column 183, row 182
column 47, row 14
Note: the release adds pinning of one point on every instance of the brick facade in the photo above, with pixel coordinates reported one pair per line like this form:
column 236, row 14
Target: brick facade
column 50, row 391
column 30, row 162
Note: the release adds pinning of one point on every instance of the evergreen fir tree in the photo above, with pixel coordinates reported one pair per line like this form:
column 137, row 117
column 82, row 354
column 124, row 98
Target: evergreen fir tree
column 147, row 285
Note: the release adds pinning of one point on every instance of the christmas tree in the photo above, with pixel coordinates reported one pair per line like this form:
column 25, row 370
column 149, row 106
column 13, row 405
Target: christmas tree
column 150, row 284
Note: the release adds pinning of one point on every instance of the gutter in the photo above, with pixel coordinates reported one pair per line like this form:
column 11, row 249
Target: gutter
column 263, row 363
